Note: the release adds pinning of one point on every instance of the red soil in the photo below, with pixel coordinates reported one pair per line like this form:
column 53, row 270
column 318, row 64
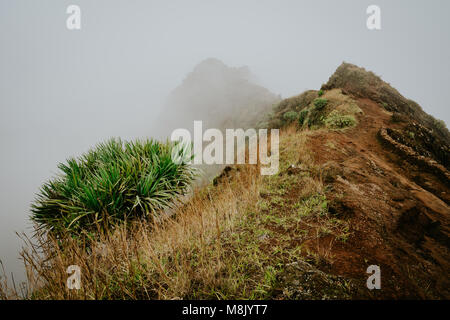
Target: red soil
column 399, row 212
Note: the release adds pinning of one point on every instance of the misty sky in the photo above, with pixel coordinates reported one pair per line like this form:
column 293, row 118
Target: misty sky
column 63, row 91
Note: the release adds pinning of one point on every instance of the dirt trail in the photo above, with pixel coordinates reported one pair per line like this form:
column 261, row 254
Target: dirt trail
column 399, row 214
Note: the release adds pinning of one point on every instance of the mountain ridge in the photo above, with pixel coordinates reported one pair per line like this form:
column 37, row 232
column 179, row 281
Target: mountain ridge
column 362, row 181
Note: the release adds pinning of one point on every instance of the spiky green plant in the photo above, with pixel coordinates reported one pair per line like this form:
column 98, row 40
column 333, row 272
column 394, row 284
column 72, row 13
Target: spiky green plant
column 114, row 181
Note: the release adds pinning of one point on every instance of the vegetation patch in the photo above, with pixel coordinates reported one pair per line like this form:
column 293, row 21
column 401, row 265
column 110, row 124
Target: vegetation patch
column 337, row 120
column 361, row 83
column 246, row 237
column 296, row 103
column 290, row 116
column 320, row 103
column 302, row 116
column 113, row 182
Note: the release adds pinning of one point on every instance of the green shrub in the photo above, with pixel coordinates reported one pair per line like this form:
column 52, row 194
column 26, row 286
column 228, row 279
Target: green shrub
column 336, row 120
column 112, row 182
column 320, row 93
column 320, row 103
column 315, row 118
column 302, row 116
column 290, row 116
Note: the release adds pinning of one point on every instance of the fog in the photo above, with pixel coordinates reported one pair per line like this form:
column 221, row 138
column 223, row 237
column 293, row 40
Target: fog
column 63, row 91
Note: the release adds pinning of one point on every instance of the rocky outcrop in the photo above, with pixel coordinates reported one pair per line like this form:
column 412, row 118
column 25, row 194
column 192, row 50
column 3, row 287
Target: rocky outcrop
column 412, row 156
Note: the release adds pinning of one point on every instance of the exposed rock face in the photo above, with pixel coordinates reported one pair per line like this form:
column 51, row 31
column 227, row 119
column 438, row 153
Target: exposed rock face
column 408, row 152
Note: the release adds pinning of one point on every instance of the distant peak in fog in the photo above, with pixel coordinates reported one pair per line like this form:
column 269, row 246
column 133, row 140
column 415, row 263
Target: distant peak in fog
column 210, row 63
column 217, row 67
column 220, row 96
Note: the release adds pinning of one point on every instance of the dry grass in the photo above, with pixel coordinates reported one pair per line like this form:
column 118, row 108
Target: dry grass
column 230, row 241
column 179, row 257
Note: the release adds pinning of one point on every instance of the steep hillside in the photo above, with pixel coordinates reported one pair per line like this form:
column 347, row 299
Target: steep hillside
column 363, row 181
column 387, row 176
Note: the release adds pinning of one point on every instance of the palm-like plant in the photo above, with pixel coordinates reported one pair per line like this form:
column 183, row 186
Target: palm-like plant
column 112, row 182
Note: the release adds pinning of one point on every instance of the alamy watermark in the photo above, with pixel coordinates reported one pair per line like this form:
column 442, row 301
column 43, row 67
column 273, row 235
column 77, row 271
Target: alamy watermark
column 74, row 280
column 73, row 22
column 213, row 152
column 374, row 280
column 374, row 20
